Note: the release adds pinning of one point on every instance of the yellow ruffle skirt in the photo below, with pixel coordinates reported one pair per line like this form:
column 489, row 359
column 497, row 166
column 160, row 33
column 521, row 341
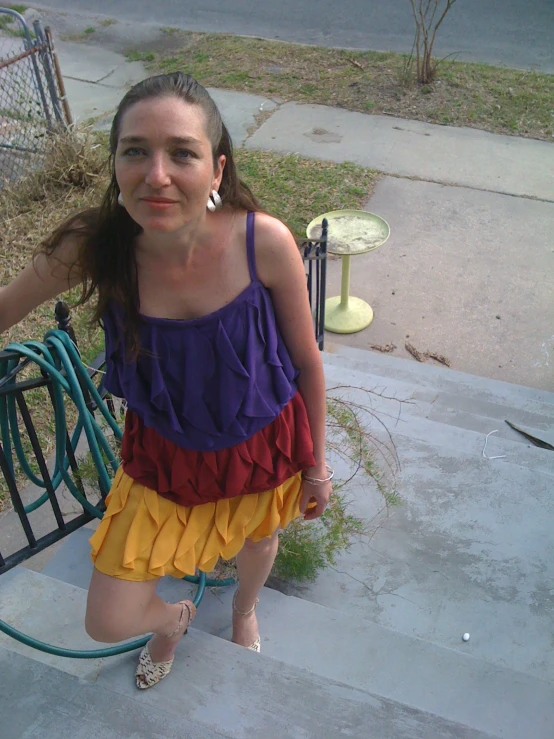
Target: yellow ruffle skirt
column 144, row 536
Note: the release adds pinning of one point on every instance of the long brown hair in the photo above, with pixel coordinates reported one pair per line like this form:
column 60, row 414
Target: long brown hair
column 107, row 234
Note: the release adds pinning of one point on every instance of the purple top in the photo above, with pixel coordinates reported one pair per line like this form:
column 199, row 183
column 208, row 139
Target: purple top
column 206, row 383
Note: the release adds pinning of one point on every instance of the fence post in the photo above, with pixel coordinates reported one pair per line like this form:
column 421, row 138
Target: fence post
column 63, row 319
column 322, row 295
column 49, row 74
column 59, row 76
column 28, row 43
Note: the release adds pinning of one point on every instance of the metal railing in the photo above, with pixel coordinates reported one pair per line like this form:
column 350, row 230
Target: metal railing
column 33, row 102
column 314, row 254
column 37, row 504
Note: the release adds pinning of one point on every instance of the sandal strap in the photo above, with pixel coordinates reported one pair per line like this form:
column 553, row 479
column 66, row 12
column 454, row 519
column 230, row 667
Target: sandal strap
column 243, row 613
column 191, row 610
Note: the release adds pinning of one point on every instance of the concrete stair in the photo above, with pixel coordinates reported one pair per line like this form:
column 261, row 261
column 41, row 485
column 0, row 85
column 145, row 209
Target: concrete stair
column 373, row 647
column 217, row 690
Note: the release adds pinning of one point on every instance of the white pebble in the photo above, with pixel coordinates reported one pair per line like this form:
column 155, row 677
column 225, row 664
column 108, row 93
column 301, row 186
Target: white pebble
column 465, row 637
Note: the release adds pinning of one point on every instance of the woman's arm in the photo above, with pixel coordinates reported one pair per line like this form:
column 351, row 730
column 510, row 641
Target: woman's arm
column 281, row 269
column 41, row 280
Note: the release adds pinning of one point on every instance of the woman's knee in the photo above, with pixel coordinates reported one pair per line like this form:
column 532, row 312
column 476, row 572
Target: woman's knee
column 97, row 627
column 102, row 625
column 265, row 545
column 115, row 607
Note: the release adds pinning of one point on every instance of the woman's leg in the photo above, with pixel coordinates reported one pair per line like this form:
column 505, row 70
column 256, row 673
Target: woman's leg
column 120, row 609
column 254, row 563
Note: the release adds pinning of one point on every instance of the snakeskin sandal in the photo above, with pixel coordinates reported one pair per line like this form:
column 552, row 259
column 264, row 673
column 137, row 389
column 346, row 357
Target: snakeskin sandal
column 255, row 646
column 150, row 673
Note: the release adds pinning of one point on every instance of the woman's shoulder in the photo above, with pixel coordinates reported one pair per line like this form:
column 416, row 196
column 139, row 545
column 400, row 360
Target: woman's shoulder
column 276, row 248
column 270, row 231
column 271, row 236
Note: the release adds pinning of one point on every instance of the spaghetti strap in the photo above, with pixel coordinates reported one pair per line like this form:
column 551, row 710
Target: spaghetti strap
column 250, row 252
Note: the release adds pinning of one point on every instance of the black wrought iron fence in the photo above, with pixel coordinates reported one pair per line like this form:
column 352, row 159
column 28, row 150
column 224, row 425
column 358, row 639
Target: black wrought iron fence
column 33, row 103
column 314, row 254
column 42, row 511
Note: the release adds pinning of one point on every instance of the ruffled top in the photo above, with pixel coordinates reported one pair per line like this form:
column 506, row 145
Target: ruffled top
column 263, row 462
column 208, row 383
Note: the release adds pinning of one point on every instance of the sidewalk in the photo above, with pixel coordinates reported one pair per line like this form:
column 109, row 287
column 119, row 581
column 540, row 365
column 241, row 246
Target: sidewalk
column 468, row 271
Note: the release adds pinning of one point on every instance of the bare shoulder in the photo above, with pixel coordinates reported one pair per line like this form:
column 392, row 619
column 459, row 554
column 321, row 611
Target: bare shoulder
column 271, row 233
column 276, row 249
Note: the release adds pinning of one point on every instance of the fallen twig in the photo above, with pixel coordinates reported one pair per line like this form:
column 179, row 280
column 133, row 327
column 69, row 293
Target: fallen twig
column 414, row 352
column 386, row 349
column 355, row 63
column 439, row 358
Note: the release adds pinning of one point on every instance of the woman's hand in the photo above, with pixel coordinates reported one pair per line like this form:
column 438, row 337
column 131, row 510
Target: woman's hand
column 315, row 493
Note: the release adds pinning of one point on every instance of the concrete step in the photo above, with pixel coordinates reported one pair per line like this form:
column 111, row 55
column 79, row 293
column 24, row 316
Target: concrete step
column 38, row 701
column 215, row 689
column 404, row 410
column 351, row 646
column 49, row 610
column 345, row 647
column 395, row 397
column 440, row 379
column 470, row 548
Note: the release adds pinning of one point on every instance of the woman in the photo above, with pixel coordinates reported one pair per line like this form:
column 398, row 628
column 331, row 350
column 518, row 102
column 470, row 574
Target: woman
column 209, row 339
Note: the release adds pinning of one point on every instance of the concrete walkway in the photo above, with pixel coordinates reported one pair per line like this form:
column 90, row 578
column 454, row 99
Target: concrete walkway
column 468, row 271
column 453, row 156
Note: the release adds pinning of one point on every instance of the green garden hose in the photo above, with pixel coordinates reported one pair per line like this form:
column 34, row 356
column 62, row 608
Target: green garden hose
column 59, row 359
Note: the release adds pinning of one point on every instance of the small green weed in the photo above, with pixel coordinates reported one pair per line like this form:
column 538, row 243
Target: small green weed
column 133, row 55
column 306, row 548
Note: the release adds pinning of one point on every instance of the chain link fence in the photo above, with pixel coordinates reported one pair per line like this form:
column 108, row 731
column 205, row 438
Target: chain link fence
column 33, row 104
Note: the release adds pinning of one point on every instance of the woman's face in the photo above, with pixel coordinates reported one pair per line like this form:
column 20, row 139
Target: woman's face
column 164, row 165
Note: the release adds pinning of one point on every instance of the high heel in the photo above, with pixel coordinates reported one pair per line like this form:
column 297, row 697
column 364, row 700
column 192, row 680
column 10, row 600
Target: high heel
column 255, row 646
column 149, row 673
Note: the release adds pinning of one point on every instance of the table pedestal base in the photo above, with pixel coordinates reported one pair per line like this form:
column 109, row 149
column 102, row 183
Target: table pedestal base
column 349, row 317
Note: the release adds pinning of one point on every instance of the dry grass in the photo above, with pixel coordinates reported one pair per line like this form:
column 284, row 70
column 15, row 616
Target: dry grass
column 73, row 178
column 476, row 95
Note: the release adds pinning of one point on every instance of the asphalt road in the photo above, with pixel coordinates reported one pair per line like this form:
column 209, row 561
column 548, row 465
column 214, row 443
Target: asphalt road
column 514, row 33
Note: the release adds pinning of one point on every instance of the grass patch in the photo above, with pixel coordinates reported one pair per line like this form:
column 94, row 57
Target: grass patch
column 108, row 22
column 7, row 21
column 296, row 189
column 82, row 36
column 495, row 99
column 140, row 56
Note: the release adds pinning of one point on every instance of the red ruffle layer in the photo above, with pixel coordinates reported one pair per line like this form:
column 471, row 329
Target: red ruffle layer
column 189, row 478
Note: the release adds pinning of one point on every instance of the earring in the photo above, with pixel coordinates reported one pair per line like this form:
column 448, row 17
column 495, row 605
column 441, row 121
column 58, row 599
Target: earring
column 214, row 202
column 120, row 200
